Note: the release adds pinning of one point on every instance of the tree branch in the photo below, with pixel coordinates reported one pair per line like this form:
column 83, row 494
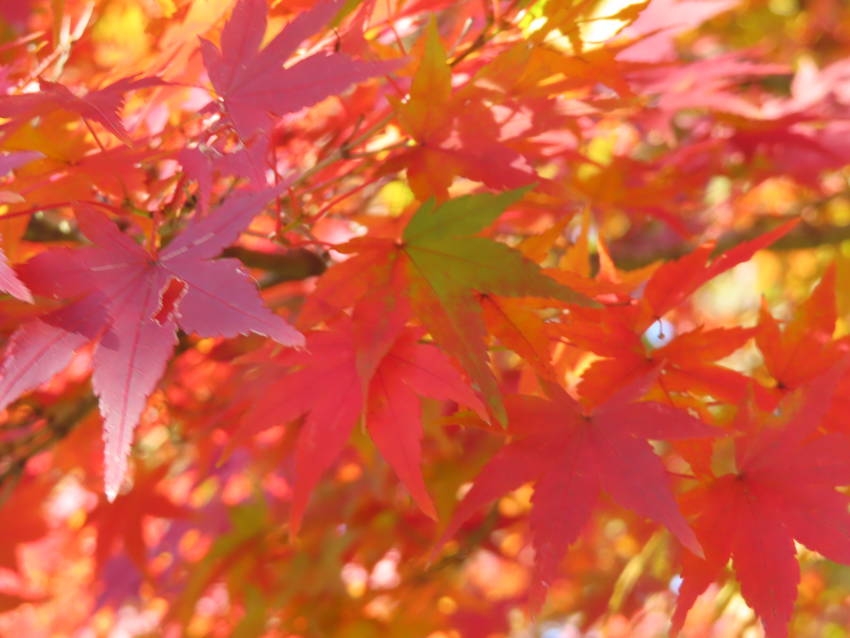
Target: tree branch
column 293, row 265
column 628, row 256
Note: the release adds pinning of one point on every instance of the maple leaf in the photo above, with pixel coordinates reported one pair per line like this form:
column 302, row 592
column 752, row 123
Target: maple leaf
column 132, row 302
column 782, row 488
column 387, row 387
column 676, row 280
column 444, row 265
column 102, row 105
column 571, row 456
column 687, row 360
column 456, row 134
column 805, row 348
column 253, row 83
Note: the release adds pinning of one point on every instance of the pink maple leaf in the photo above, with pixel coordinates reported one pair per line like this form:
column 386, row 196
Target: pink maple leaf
column 252, row 83
column 132, row 302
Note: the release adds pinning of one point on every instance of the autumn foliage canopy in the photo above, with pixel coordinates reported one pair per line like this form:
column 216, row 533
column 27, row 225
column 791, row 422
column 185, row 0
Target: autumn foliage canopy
column 452, row 319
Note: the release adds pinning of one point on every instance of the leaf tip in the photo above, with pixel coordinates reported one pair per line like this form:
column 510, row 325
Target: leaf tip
column 429, row 510
column 288, row 336
column 693, row 545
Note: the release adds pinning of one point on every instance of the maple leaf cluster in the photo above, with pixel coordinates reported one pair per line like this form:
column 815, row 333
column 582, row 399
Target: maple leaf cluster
column 326, row 318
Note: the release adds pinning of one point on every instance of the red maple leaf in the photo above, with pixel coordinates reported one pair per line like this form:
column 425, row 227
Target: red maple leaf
column 805, row 348
column 782, row 488
column 688, row 360
column 132, row 302
column 253, row 83
column 676, row 280
column 383, row 377
column 571, row 456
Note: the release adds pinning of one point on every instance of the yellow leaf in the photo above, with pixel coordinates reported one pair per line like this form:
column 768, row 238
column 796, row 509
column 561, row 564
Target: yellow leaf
column 431, row 90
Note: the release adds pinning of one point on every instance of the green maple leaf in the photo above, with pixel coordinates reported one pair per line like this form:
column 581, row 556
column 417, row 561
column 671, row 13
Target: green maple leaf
column 447, row 264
